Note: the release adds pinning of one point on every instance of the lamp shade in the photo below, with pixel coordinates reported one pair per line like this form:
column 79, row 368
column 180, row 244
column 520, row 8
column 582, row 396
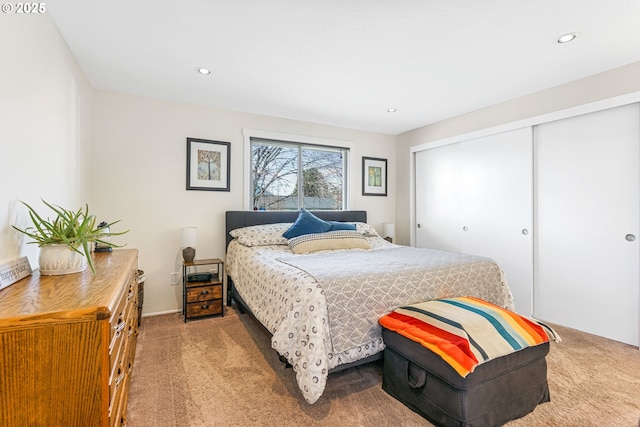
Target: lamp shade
column 189, row 237
column 388, row 229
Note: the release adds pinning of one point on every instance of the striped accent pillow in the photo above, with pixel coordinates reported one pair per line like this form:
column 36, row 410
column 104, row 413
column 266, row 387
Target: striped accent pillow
column 332, row 240
column 467, row 331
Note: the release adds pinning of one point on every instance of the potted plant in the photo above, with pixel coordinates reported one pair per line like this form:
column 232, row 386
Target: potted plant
column 66, row 240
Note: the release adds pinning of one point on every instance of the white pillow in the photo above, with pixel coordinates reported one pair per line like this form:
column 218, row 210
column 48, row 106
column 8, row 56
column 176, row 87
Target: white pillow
column 331, row 240
column 261, row 235
column 366, row 229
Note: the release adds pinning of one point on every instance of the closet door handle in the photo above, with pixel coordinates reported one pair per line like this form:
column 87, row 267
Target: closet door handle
column 525, row 231
column 419, row 226
column 630, row 237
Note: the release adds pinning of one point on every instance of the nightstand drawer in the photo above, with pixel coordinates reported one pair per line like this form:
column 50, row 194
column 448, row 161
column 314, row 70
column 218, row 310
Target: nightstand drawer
column 204, row 293
column 204, row 308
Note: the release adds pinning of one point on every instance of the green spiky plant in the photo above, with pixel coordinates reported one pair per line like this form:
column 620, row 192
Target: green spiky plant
column 76, row 229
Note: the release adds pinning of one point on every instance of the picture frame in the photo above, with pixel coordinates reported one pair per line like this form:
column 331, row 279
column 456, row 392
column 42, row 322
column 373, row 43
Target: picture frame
column 14, row 271
column 374, row 176
column 208, row 165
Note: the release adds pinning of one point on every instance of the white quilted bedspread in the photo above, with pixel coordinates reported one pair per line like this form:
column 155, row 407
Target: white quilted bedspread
column 360, row 287
column 323, row 308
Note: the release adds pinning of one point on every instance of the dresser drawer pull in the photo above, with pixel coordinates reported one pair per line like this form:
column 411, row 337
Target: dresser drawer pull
column 204, row 306
column 120, row 328
column 204, row 292
column 119, row 381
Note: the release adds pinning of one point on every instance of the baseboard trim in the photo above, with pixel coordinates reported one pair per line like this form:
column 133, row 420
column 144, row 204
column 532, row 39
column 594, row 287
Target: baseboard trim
column 159, row 313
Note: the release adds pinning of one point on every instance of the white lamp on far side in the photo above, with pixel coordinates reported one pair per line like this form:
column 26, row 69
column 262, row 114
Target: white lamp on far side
column 388, row 231
column 189, row 239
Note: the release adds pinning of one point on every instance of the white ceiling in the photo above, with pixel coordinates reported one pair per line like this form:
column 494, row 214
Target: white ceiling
column 345, row 62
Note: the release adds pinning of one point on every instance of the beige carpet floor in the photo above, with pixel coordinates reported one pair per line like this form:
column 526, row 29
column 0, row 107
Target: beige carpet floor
column 222, row 372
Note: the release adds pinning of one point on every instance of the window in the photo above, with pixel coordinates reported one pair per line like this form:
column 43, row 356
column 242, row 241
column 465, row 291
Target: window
column 279, row 169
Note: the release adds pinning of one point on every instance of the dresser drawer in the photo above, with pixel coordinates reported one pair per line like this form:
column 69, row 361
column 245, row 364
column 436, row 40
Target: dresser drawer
column 117, row 321
column 121, row 420
column 115, row 385
column 122, row 364
column 204, row 308
column 117, row 316
column 116, row 413
column 121, row 337
column 204, row 293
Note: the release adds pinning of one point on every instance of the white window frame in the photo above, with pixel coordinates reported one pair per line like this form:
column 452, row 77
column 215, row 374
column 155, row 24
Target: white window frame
column 300, row 139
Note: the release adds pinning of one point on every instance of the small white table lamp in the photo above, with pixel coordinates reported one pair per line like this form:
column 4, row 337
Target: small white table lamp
column 189, row 239
column 388, row 231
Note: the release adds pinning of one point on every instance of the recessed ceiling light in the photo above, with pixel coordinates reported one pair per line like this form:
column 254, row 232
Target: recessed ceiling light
column 203, row 71
column 391, row 110
column 566, row 38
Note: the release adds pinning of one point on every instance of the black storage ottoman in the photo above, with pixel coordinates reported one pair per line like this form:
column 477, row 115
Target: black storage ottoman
column 496, row 392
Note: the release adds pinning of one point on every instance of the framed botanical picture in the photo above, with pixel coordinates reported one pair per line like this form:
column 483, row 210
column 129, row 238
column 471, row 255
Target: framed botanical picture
column 374, row 176
column 208, row 165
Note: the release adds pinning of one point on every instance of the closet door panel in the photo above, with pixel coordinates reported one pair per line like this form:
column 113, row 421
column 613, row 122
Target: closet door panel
column 438, row 198
column 497, row 172
column 476, row 197
column 588, row 202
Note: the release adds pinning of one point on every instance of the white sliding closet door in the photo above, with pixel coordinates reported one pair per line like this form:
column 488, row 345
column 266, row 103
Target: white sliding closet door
column 498, row 199
column 476, row 197
column 588, row 209
column 438, row 200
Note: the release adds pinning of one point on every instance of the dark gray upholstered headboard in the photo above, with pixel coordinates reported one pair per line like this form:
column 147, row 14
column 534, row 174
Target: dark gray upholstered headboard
column 238, row 219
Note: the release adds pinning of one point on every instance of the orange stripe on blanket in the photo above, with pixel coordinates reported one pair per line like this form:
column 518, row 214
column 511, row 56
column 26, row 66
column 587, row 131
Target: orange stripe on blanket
column 453, row 348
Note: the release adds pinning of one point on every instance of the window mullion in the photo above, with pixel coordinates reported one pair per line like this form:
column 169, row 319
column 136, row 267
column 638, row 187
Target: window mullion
column 300, row 179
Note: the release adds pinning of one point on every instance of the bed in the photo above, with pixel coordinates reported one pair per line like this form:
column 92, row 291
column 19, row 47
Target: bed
column 321, row 308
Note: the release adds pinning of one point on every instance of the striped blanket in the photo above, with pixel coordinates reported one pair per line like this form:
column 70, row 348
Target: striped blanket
column 467, row 331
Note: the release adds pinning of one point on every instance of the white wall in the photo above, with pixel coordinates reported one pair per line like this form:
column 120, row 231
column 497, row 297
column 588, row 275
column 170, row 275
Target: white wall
column 126, row 157
column 139, row 176
column 45, row 127
column 611, row 84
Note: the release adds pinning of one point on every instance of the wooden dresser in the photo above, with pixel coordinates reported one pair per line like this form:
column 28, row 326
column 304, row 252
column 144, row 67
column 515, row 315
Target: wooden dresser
column 67, row 345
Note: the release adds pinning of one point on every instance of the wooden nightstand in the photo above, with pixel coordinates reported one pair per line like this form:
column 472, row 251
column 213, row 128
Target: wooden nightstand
column 202, row 288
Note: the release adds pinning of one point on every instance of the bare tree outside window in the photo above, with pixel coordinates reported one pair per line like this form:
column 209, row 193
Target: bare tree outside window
column 278, row 168
column 322, row 177
column 274, row 175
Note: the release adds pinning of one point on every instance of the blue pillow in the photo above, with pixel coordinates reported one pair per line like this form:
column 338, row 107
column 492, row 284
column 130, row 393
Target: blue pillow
column 306, row 223
column 337, row 225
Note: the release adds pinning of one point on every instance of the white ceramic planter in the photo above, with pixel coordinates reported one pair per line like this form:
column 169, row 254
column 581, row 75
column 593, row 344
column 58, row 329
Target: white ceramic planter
column 59, row 259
